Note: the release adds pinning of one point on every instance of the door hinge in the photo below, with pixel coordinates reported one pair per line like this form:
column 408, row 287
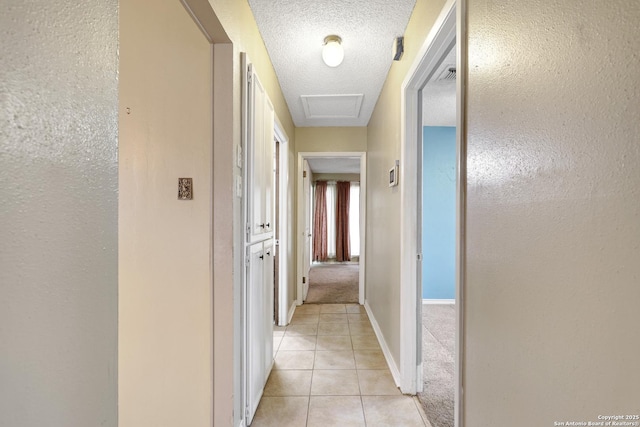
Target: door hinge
column 249, row 76
column 304, row 174
column 248, row 229
column 419, row 256
column 304, row 279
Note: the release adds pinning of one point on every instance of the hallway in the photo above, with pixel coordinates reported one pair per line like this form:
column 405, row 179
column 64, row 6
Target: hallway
column 329, row 370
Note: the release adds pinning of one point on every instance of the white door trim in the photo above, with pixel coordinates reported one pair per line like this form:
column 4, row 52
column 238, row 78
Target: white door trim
column 435, row 47
column 363, row 216
column 283, row 241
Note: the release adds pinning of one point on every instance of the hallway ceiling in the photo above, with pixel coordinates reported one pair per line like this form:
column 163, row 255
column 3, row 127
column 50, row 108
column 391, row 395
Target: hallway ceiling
column 293, row 32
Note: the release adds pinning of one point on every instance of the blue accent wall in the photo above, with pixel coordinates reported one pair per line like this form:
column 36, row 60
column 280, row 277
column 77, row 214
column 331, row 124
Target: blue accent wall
column 439, row 212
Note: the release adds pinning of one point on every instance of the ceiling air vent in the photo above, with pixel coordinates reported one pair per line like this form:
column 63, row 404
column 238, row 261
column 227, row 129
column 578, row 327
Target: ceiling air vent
column 449, row 73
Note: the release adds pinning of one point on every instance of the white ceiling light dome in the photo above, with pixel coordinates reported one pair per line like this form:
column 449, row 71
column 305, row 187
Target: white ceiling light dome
column 332, row 52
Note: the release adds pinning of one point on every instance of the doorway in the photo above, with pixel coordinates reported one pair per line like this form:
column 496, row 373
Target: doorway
column 283, row 293
column 335, row 241
column 437, row 241
column 428, row 67
column 330, row 168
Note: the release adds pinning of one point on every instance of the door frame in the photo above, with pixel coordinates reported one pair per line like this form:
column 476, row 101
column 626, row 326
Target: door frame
column 448, row 29
column 302, row 156
column 283, row 222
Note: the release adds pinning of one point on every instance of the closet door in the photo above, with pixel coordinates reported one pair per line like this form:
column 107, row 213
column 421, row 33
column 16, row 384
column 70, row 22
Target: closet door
column 268, row 284
column 255, row 351
column 256, row 157
column 269, row 167
column 259, row 278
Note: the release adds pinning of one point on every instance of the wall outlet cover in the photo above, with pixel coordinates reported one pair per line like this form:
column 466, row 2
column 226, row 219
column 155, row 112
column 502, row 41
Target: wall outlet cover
column 185, row 188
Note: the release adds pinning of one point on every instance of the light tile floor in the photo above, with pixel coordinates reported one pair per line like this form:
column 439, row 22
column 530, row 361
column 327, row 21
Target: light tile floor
column 329, row 370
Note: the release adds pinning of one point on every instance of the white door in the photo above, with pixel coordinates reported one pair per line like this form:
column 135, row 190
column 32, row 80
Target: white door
column 306, row 266
column 255, row 350
column 269, row 282
column 256, row 162
column 268, row 164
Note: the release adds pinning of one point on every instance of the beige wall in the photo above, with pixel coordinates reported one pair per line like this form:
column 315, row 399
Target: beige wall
column 58, row 213
column 336, row 177
column 553, row 212
column 165, row 293
column 334, row 139
column 383, row 149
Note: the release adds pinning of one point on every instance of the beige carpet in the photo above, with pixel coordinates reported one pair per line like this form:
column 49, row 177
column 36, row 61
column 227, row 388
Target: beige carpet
column 438, row 363
column 333, row 283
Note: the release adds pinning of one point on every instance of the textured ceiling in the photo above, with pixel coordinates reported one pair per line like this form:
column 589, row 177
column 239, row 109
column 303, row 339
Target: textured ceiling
column 334, row 164
column 293, row 33
column 439, row 96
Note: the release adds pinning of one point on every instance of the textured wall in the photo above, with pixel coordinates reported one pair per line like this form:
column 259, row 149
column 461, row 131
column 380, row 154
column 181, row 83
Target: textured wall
column 383, row 219
column 165, row 289
column 439, row 212
column 58, row 213
column 553, row 212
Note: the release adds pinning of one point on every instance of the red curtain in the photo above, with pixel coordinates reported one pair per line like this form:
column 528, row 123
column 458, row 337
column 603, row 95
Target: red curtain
column 320, row 223
column 342, row 221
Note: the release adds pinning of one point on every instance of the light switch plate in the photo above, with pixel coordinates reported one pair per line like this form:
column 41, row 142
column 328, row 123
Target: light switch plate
column 185, row 188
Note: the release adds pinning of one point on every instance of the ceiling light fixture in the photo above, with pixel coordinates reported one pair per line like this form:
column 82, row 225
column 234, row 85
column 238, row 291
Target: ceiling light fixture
column 332, row 52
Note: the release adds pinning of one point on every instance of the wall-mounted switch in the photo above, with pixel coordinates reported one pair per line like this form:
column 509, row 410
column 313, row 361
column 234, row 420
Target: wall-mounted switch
column 185, row 188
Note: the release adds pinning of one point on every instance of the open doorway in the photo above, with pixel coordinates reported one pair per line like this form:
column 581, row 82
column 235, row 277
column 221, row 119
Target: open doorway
column 282, row 291
column 331, row 219
column 432, row 223
column 335, row 233
column 438, row 242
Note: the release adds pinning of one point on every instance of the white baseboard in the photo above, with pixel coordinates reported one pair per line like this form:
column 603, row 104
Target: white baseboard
column 292, row 310
column 438, row 301
column 393, row 367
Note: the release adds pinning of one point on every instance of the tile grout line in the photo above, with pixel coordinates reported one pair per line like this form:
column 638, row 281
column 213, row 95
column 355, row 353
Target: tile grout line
column 352, row 350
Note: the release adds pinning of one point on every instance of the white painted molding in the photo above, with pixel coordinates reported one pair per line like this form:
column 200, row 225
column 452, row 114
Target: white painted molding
column 363, row 229
column 299, row 233
column 292, row 310
column 439, row 301
column 437, row 44
column 461, row 210
column 391, row 363
column 283, row 231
